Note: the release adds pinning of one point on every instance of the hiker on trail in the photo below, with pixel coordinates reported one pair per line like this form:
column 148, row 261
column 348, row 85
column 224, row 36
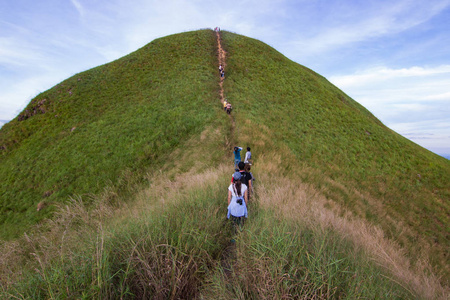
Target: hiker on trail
column 246, row 177
column 237, row 156
column 222, row 73
column 247, row 169
column 248, row 156
column 237, row 199
column 225, row 102
column 220, row 69
column 229, row 108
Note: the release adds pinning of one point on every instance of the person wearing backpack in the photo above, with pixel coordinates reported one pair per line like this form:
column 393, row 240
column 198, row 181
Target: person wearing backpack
column 237, row 199
column 246, row 178
column 247, row 169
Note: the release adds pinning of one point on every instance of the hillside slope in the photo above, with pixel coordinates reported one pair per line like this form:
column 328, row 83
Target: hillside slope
column 98, row 127
column 145, row 143
column 331, row 141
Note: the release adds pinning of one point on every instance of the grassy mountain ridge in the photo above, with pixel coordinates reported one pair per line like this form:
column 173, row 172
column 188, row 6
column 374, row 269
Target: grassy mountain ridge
column 142, row 140
column 368, row 168
column 90, row 129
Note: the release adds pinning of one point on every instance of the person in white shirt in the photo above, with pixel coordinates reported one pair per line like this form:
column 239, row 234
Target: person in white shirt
column 248, row 156
column 237, row 198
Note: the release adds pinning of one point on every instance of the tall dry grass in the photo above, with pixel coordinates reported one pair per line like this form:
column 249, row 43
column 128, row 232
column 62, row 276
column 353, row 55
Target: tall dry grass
column 159, row 245
column 168, row 242
column 293, row 200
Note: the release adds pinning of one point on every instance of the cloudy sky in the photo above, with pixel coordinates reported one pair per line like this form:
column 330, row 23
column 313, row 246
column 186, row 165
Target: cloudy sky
column 392, row 56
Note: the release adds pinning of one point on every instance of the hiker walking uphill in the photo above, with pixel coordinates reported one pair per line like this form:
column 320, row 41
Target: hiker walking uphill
column 237, row 156
column 248, row 156
column 229, row 108
column 221, row 71
column 237, row 200
column 246, row 177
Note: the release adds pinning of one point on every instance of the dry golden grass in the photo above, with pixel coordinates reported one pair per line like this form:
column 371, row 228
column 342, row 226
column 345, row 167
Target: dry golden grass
column 294, row 200
column 283, row 193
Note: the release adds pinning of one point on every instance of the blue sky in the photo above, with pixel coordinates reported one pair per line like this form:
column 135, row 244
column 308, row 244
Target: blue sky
column 393, row 57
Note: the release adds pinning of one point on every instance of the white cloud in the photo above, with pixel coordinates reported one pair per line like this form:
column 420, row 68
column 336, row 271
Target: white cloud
column 443, row 96
column 78, row 7
column 384, row 74
column 347, row 23
column 415, row 84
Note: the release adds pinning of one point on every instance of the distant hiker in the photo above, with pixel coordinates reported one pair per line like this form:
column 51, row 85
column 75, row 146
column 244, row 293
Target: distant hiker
column 225, row 102
column 222, row 73
column 248, row 156
column 237, row 200
column 220, row 69
column 246, row 177
column 237, row 156
column 229, row 108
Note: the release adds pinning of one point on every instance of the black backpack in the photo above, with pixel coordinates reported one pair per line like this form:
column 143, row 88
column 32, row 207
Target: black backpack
column 246, row 177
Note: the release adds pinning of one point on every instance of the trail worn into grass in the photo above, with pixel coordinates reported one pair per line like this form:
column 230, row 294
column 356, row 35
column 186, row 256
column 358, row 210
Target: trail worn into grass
column 229, row 252
column 222, row 61
column 222, row 55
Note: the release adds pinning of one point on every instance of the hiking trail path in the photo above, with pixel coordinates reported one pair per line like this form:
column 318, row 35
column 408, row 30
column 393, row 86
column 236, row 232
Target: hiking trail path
column 222, row 55
column 222, row 61
column 229, row 252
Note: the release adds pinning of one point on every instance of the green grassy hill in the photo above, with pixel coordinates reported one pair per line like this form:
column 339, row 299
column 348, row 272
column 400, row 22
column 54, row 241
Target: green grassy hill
column 340, row 146
column 139, row 152
column 95, row 128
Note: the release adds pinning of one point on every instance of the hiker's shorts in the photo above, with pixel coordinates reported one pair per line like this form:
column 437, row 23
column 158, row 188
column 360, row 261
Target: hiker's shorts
column 236, row 162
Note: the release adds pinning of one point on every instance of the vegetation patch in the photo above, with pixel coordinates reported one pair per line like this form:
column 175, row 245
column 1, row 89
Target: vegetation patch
column 342, row 148
column 101, row 124
column 130, row 164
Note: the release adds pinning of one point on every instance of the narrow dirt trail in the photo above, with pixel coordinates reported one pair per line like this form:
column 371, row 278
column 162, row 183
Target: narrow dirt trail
column 229, row 252
column 222, row 61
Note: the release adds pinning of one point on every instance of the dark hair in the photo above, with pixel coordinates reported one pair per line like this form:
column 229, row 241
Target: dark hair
column 238, row 185
column 247, row 167
column 241, row 165
column 248, row 148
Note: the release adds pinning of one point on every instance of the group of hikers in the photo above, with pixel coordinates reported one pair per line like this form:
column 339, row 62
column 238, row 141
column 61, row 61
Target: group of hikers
column 241, row 187
column 226, row 104
column 221, row 71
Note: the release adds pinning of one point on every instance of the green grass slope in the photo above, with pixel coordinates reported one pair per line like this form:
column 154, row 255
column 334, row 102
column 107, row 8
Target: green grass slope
column 145, row 142
column 340, row 147
column 99, row 126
